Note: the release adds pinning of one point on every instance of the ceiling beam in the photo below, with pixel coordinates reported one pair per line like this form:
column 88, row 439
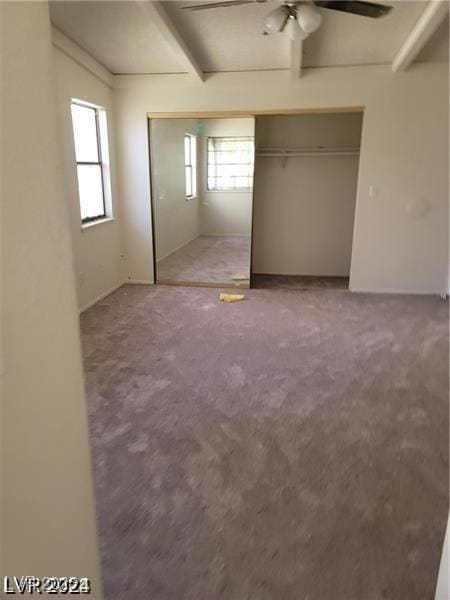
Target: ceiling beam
column 167, row 28
column 296, row 58
column 428, row 22
column 81, row 57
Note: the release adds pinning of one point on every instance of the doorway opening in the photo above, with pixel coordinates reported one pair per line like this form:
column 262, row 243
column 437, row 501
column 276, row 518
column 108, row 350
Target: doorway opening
column 306, row 174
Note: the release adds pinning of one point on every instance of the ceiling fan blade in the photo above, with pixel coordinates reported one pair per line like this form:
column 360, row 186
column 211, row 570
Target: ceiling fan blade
column 365, row 9
column 223, row 4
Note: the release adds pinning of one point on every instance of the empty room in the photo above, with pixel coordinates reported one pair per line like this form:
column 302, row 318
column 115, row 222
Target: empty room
column 225, row 280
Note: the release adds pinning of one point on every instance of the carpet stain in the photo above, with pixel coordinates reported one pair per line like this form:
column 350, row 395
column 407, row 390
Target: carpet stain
column 236, row 376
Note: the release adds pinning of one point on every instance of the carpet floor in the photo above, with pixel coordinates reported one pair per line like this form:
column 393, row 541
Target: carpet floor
column 208, row 259
column 293, row 446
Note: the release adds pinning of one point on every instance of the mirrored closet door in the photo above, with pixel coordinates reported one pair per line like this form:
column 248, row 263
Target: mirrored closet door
column 202, row 197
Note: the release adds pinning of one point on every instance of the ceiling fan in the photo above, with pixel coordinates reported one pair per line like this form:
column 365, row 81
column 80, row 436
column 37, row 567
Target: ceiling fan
column 300, row 18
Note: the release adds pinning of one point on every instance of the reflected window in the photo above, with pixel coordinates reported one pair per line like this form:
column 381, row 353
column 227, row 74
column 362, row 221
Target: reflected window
column 230, row 163
column 190, row 165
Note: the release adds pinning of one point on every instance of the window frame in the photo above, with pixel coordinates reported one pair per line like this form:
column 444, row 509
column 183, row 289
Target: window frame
column 192, row 165
column 99, row 163
column 230, row 189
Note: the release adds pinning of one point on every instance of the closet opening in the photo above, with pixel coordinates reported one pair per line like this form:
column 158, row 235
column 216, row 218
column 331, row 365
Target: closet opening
column 306, row 174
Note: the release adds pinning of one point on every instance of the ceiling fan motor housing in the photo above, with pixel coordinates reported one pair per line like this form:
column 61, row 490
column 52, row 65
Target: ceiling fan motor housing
column 300, row 19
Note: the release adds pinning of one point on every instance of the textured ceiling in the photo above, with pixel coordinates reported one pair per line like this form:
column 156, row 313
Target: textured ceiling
column 230, row 39
column 123, row 37
column 120, row 35
column 345, row 39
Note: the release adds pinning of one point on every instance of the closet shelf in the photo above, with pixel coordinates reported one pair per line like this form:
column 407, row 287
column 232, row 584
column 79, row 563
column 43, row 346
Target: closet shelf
column 318, row 151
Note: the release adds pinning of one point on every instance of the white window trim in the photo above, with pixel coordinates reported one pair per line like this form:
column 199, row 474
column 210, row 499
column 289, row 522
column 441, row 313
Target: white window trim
column 193, row 166
column 105, row 165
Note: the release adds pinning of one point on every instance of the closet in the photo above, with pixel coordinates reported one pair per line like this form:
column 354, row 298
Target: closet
column 306, row 173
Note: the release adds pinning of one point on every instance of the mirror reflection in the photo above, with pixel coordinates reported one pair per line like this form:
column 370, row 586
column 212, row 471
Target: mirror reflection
column 202, row 194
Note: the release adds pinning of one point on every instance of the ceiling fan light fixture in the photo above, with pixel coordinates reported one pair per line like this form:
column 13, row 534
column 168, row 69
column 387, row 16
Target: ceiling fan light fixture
column 308, row 18
column 276, row 19
column 294, row 31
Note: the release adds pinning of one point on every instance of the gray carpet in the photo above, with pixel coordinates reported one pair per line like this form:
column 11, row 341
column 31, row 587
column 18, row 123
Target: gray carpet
column 208, row 259
column 293, row 446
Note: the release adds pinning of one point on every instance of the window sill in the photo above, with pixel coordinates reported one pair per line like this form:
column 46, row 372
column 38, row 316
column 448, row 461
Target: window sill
column 91, row 224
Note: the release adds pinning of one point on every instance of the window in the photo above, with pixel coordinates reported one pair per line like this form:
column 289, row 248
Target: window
column 230, row 163
column 88, row 153
column 190, row 165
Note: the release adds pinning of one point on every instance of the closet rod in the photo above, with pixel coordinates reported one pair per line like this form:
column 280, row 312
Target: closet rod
column 323, row 151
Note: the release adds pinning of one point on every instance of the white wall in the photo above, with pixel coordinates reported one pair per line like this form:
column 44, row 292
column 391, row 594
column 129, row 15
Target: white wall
column 176, row 218
column 308, row 131
column 224, row 213
column 442, row 587
column 97, row 248
column 48, row 521
column 304, row 206
column 404, row 153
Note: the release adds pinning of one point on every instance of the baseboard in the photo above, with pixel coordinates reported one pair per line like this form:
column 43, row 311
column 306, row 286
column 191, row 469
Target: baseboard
column 176, row 249
column 398, row 292
column 113, row 289
column 246, row 235
column 101, row 297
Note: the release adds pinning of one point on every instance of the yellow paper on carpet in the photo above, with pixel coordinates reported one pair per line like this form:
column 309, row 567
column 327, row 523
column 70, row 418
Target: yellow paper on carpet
column 231, row 297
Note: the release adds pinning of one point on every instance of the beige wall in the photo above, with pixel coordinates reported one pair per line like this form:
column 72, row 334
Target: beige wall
column 48, row 522
column 442, row 587
column 176, row 218
column 305, row 205
column 304, row 214
column 224, row 213
column 309, row 131
column 97, row 248
column 401, row 233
